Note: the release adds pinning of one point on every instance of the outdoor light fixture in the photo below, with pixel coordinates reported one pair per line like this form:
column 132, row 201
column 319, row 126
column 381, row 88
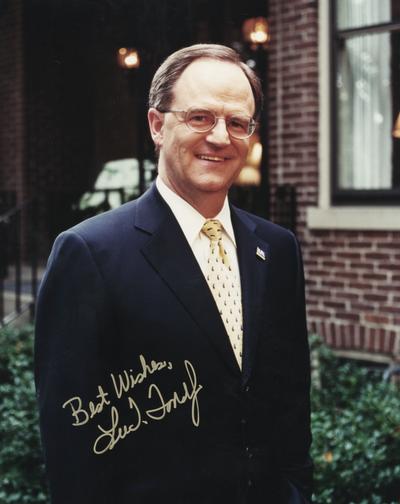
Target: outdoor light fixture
column 250, row 174
column 396, row 129
column 256, row 32
column 128, row 58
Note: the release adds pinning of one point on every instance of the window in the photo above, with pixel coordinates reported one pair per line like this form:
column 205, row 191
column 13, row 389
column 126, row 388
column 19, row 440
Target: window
column 365, row 92
column 343, row 203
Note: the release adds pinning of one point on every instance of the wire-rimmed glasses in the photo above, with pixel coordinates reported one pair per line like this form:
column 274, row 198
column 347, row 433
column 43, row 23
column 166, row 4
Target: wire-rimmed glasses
column 203, row 120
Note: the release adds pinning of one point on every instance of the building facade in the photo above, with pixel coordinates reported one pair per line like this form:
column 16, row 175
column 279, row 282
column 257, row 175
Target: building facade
column 66, row 109
column 352, row 248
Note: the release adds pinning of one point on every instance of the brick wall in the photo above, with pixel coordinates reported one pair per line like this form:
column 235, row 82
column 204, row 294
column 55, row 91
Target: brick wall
column 293, row 99
column 12, row 103
column 354, row 289
column 352, row 277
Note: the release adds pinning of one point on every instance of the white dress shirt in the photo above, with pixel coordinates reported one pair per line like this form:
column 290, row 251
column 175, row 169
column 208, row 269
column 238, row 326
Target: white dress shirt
column 191, row 222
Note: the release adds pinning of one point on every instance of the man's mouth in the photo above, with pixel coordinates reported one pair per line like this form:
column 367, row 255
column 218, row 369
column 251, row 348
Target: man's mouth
column 216, row 159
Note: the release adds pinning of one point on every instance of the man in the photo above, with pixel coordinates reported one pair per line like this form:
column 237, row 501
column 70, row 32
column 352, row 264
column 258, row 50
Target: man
column 171, row 354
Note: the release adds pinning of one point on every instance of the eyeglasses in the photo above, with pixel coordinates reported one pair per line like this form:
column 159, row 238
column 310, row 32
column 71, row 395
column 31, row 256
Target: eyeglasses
column 203, row 120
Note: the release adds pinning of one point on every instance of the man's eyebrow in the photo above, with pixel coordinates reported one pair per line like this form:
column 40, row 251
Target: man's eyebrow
column 213, row 110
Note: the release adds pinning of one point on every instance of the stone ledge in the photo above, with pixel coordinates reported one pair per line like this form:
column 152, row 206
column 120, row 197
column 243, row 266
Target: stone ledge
column 355, row 218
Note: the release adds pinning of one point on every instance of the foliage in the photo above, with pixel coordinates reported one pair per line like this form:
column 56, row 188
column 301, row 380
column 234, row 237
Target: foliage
column 355, row 421
column 21, row 468
column 356, row 433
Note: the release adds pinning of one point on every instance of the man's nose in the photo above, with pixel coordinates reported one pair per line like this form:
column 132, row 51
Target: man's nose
column 219, row 134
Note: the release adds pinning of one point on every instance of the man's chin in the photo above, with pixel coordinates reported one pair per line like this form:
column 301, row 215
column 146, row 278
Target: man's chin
column 215, row 183
column 214, row 187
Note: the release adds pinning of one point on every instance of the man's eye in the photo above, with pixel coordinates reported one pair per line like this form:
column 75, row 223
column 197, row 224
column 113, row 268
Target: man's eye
column 239, row 124
column 200, row 118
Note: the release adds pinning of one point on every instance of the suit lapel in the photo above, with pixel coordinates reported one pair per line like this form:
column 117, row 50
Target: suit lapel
column 171, row 257
column 253, row 276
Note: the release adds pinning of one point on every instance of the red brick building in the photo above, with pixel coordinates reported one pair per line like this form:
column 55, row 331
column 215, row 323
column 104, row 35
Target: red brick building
column 351, row 250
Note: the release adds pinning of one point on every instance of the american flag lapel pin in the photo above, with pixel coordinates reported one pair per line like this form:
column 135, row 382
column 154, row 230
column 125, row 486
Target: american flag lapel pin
column 260, row 253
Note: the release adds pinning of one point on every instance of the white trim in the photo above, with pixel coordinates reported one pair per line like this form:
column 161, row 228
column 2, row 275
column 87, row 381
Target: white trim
column 324, row 146
column 326, row 216
column 362, row 218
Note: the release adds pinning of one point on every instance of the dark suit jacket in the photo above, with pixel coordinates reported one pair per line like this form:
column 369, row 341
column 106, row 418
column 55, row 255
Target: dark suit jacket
column 141, row 399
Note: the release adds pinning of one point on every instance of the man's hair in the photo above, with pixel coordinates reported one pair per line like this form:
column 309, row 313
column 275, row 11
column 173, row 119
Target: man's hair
column 161, row 89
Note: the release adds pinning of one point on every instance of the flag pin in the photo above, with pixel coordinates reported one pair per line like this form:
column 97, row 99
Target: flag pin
column 260, row 253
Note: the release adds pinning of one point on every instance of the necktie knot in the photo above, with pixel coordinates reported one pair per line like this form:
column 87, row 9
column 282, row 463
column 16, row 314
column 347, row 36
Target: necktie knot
column 212, row 228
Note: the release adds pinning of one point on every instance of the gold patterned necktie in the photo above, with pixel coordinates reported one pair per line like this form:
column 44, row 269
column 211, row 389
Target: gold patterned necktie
column 224, row 286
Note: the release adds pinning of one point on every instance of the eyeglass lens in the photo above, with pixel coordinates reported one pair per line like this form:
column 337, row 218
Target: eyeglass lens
column 204, row 120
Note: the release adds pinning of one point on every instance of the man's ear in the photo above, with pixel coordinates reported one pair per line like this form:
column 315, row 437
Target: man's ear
column 156, row 125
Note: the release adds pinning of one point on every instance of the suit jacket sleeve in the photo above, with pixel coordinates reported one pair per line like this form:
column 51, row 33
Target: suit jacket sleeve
column 73, row 317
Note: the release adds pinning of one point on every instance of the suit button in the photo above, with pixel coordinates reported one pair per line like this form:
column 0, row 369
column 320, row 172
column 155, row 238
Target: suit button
column 249, row 483
column 247, row 389
column 243, row 421
column 248, row 452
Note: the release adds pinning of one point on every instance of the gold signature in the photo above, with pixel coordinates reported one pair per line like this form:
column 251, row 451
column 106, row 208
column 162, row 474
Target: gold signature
column 109, row 437
column 81, row 415
column 125, row 381
column 189, row 394
column 122, row 383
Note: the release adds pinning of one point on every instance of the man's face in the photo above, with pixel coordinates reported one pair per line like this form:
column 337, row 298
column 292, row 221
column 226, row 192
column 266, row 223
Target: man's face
column 199, row 165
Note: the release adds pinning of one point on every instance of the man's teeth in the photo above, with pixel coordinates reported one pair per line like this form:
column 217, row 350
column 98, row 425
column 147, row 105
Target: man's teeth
column 211, row 158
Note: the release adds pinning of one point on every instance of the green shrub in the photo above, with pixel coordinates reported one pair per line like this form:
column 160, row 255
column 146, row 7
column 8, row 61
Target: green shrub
column 355, row 422
column 356, row 434
column 22, row 477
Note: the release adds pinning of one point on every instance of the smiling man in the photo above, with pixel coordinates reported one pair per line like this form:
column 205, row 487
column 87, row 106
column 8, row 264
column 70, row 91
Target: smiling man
column 171, row 346
column 200, row 157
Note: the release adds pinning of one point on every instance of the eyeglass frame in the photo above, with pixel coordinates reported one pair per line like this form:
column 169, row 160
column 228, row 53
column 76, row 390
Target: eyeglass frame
column 252, row 121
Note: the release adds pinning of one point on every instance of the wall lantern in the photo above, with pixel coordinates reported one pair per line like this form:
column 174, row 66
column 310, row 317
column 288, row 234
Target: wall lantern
column 128, row 58
column 256, row 32
column 250, row 174
column 396, row 129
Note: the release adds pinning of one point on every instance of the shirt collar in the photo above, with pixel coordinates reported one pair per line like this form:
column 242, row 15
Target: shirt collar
column 189, row 219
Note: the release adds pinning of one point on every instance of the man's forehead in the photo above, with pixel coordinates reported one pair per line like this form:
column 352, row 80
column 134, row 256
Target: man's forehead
column 204, row 66
column 213, row 77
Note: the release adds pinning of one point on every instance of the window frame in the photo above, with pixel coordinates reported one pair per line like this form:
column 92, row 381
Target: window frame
column 340, row 196
column 324, row 216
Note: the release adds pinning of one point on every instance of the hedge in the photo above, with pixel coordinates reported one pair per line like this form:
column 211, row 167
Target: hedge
column 22, row 477
column 356, row 433
column 355, row 423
